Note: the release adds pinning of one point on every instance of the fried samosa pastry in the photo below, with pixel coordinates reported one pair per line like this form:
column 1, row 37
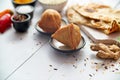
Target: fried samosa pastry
column 50, row 21
column 68, row 35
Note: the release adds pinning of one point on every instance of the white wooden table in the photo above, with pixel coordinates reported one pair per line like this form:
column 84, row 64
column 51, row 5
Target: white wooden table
column 28, row 56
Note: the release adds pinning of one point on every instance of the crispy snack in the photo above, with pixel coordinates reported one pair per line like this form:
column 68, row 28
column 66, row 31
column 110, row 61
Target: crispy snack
column 68, row 35
column 74, row 15
column 106, row 51
column 50, row 21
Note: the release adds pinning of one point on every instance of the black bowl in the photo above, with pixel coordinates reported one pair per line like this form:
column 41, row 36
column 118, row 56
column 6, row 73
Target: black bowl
column 21, row 26
column 33, row 3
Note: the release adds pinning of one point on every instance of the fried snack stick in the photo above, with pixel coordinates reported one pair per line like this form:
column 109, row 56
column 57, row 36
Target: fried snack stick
column 106, row 51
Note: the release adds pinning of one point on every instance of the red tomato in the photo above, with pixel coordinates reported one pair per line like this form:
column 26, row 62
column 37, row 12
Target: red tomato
column 5, row 22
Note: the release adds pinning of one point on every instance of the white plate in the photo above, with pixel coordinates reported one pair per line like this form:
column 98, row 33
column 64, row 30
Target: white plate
column 63, row 48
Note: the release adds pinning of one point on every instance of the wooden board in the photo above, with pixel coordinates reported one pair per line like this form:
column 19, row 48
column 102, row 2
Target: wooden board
column 98, row 36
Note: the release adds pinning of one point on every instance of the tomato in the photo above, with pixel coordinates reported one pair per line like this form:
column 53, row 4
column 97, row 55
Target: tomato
column 5, row 22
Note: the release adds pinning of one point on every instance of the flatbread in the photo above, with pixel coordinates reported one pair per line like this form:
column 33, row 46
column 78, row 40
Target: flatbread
column 99, row 12
column 74, row 16
column 114, row 27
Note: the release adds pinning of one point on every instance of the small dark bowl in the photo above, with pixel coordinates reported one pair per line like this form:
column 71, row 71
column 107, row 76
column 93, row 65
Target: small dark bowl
column 25, row 9
column 33, row 3
column 21, row 26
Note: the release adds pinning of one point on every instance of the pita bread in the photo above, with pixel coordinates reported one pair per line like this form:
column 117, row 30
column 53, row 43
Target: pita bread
column 68, row 35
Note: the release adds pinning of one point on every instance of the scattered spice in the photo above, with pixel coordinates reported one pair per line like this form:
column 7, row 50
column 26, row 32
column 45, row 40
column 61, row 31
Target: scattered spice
column 74, row 66
column 112, row 64
column 40, row 42
column 102, row 64
column 55, row 69
column 90, row 75
column 37, row 44
column 106, row 67
column 84, row 59
column 50, row 65
column 21, row 38
column 87, row 58
column 95, row 63
column 96, row 69
column 73, row 56
column 34, row 33
column 117, row 69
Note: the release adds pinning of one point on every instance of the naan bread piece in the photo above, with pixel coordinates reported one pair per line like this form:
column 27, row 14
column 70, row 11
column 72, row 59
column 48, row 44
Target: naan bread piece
column 114, row 27
column 75, row 17
column 99, row 12
column 68, row 35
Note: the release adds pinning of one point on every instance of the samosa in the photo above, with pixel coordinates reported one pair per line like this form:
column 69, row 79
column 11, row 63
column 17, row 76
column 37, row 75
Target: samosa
column 69, row 35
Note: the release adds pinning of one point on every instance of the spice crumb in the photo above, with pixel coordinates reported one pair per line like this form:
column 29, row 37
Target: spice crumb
column 84, row 59
column 21, row 38
column 102, row 64
column 96, row 69
column 76, row 59
column 87, row 58
column 106, row 67
column 74, row 66
column 73, row 56
column 112, row 64
column 117, row 69
column 34, row 33
column 37, row 44
column 55, row 69
column 40, row 42
column 50, row 65
column 95, row 63
column 90, row 75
